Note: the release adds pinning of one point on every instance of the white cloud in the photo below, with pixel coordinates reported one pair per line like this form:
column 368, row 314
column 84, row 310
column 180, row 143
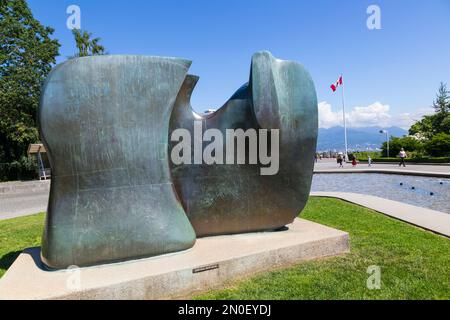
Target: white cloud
column 405, row 120
column 376, row 114
column 328, row 118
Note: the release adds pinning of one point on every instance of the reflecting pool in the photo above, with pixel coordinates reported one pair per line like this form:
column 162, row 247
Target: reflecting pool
column 427, row 192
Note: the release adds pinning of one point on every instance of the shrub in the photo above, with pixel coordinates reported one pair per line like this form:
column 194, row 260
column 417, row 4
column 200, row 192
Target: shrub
column 438, row 145
column 410, row 144
column 23, row 169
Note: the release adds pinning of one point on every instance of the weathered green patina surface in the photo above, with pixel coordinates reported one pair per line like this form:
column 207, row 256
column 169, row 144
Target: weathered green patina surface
column 115, row 194
column 224, row 199
column 104, row 121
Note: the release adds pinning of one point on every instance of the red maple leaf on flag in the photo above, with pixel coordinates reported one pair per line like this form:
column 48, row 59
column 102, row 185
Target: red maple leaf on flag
column 335, row 85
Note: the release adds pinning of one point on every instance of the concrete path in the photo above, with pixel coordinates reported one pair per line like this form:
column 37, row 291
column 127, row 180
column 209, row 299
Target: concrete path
column 330, row 166
column 23, row 198
column 438, row 222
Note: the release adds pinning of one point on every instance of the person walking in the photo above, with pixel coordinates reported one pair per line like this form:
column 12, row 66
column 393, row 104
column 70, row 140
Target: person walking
column 339, row 161
column 354, row 161
column 369, row 161
column 402, row 156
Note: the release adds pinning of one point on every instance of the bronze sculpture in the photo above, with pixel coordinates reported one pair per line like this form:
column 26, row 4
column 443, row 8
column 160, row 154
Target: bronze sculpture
column 107, row 123
column 223, row 199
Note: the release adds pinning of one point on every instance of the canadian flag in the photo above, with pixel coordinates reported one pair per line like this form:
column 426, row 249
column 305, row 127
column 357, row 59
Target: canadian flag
column 338, row 83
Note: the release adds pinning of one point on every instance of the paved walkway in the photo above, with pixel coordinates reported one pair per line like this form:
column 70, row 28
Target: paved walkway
column 330, row 166
column 23, row 198
column 432, row 220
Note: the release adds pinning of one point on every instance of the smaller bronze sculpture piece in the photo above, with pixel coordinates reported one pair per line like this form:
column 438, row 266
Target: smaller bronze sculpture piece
column 107, row 123
column 224, row 199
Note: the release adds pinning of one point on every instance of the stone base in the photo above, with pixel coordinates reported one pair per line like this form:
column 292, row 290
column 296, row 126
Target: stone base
column 212, row 262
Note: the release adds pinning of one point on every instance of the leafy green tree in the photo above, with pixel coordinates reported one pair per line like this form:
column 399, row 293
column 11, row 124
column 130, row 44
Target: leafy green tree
column 423, row 128
column 439, row 145
column 410, row 144
column 86, row 45
column 445, row 124
column 27, row 54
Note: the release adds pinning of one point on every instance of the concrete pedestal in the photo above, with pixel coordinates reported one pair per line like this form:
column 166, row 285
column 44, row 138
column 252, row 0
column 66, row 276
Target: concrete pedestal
column 211, row 263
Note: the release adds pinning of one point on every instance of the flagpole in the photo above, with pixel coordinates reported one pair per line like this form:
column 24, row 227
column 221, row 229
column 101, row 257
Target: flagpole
column 345, row 122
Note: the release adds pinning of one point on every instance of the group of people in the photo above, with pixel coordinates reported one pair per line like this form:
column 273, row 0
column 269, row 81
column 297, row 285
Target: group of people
column 341, row 159
column 317, row 157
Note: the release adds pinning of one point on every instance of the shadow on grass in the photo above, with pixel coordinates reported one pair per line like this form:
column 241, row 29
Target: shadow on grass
column 7, row 260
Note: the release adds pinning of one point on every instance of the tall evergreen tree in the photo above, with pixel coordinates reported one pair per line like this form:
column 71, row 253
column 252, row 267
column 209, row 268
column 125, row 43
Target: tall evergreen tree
column 435, row 128
column 442, row 102
column 439, row 121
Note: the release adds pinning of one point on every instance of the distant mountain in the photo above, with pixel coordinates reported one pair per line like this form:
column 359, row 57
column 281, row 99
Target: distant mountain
column 361, row 139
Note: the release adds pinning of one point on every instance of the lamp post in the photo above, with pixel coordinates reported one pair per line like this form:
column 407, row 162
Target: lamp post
column 387, row 140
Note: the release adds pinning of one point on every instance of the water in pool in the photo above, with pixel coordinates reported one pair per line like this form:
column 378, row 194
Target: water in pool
column 427, row 192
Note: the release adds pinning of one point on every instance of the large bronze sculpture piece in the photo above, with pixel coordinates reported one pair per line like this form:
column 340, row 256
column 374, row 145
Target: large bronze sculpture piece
column 108, row 124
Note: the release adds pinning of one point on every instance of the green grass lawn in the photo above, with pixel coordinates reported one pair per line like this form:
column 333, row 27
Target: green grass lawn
column 415, row 264
column 17, row 234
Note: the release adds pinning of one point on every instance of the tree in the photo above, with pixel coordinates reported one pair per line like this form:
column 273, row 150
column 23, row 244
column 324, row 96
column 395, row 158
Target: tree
column 445, row 124
column 87, row 46
column 439, row 122
column 442, row 102
column 423, row 128
column 27, row 54
column 410, row 144
column 439, row 145
column 433, row 131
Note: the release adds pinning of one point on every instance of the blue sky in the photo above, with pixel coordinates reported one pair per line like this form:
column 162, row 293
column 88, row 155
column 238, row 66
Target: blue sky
column 391, row 75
